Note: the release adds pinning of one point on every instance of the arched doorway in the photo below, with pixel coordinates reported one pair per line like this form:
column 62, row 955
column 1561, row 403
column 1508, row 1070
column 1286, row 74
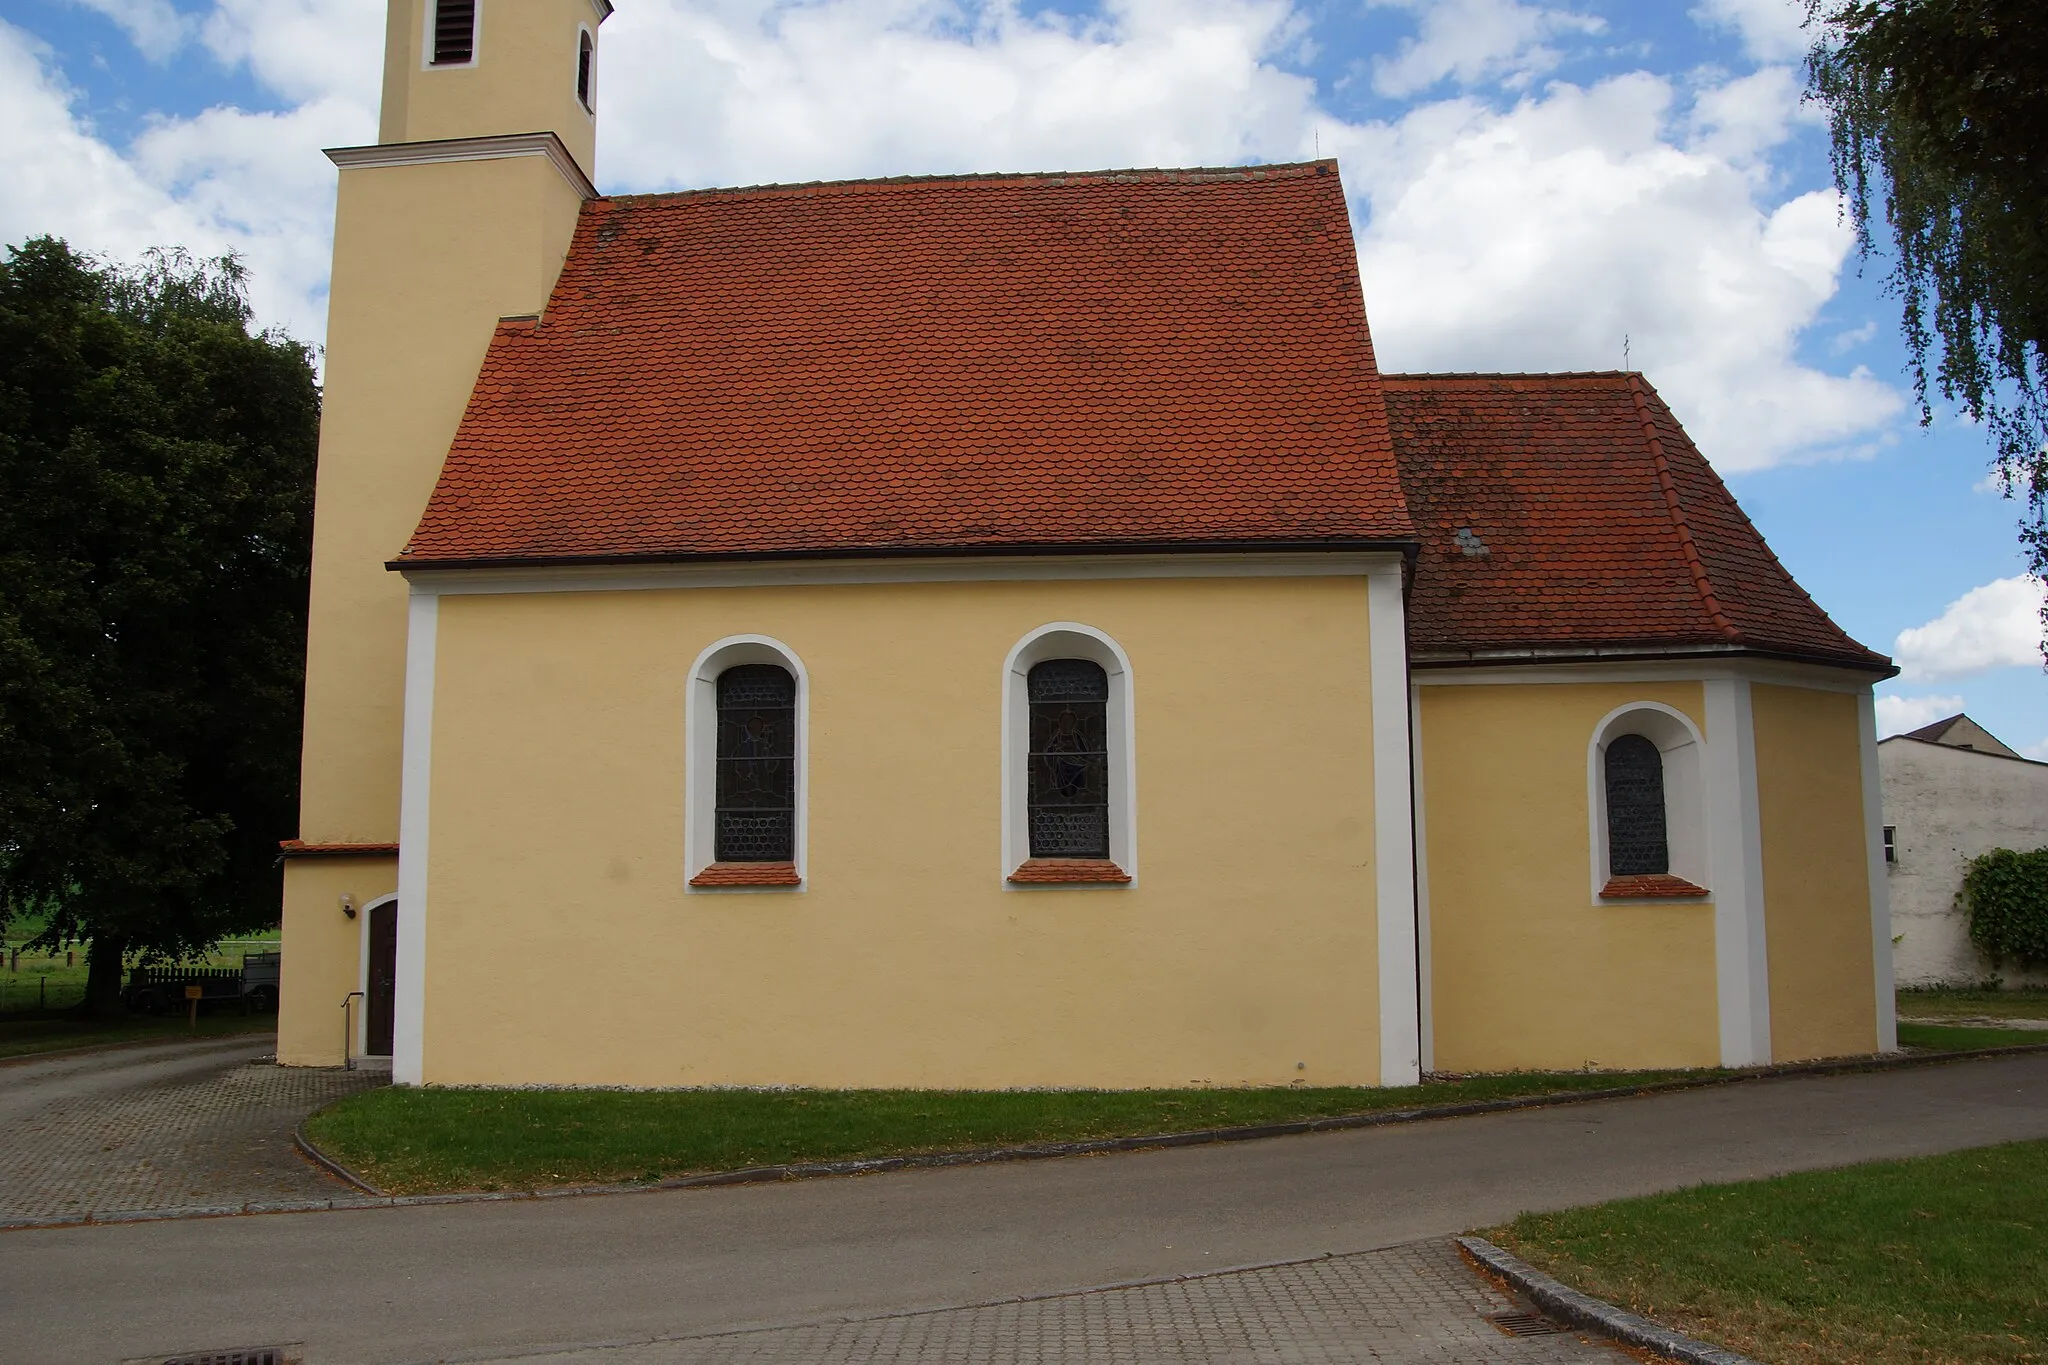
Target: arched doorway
column 380, row 976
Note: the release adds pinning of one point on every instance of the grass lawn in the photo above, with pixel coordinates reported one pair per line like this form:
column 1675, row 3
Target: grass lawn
column 21, row 1035
column 1934, row 1261
column 1950, row 1039
column 421, row 1141
column 1961, row 1004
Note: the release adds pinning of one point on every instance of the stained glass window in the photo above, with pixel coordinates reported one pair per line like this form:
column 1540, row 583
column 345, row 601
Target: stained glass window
column 1636, row 843
column 1069, row 757
column 756, row 820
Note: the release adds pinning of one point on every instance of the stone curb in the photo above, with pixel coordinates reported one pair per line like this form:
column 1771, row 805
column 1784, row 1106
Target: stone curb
column 1563, row 1302
column 308, row 1149
column 373, row 1197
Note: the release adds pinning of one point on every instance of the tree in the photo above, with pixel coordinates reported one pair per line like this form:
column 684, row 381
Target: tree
column 156, row 489
column 1938, row 109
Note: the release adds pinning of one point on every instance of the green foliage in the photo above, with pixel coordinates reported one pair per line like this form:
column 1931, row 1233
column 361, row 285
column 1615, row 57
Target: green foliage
column 156, row 470
column 1938, row 109
column 1932, row 1261
column 2005, row 895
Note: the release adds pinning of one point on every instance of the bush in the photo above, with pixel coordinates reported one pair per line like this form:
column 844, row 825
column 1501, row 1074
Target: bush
column 2005, row 895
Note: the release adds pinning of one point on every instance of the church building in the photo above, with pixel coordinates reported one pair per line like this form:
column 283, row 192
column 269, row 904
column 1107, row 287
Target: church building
column 1004, row 630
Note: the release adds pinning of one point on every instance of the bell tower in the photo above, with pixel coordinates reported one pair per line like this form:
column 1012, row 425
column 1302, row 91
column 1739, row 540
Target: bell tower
column 460, row 214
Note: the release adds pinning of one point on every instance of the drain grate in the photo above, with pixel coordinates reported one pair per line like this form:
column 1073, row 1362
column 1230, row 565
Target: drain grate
column 1515, row 1324
column 247, row 1355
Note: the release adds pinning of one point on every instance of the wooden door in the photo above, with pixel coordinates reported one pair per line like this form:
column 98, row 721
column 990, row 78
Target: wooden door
column 380, row 999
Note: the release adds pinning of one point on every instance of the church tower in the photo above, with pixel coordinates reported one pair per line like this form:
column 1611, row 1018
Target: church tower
column 459, row 215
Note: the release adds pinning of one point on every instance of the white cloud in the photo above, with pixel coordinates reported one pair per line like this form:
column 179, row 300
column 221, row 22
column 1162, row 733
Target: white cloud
column 1475, row 41
column 1532, row 237
column 1995, row 626
column 156, row 27
column 1770, row 29
column 1538, row 237
column 223, row 180
column 2038, row 752
column 846, row 88
column 1848, row 340
column 1897, row 715
column 304, row 50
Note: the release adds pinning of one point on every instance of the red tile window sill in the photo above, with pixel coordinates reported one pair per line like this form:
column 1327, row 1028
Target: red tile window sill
column 1656, row 887
column 748, row 874
column 1062, row 871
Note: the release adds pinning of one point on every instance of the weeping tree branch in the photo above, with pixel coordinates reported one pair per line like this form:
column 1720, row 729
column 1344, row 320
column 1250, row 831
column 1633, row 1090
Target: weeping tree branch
column 1938, row 116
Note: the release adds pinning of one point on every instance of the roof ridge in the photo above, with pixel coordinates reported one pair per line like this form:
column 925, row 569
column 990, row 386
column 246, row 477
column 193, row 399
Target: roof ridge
column 1662, row 464
column 1504, row 374
column 1282, row 170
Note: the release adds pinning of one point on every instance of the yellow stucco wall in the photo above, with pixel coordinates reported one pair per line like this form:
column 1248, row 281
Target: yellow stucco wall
column 522, row 81
column 1527, row 971
column 323, row 961
column 1816, row 873
column 426, row 259
column 561, row 946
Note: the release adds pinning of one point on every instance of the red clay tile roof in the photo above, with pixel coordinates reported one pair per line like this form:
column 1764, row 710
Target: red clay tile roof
column 1120, row 359
column 1568, row 512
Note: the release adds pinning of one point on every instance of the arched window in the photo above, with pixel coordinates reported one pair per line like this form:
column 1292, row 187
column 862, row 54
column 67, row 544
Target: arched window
column 1647, row 806
column 1070, row 808
column 585, row 50
column 756, row 821
column 1636, row 841
column 744, row 785
column 1068, row 784
column 454, row 32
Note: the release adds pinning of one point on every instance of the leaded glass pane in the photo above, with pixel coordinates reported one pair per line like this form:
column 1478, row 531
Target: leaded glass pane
column 756, row 818
column 1636, row 843
column 1068, row 757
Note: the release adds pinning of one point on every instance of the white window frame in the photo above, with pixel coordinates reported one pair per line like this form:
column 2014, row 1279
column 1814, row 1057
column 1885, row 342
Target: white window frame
column 1069, row 640
column 700, row 723
column 432, row 11
column 589, row 107
column 1679, row 742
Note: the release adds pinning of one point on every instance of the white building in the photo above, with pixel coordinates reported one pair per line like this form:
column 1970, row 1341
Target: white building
column 1951, row 792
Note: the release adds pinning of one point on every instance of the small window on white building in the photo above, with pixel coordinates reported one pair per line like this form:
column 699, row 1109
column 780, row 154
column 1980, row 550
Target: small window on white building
column 1891, row 847
column 586, row 51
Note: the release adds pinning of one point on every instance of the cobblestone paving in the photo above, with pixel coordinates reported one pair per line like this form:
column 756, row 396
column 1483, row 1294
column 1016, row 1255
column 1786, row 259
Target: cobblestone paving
column 149, row 1133
column 1417, row 1303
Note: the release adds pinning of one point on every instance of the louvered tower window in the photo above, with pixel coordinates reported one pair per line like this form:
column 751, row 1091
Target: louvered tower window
column 756, row 821
column 584, row 52
column 1637, row 845
column 454, row 32
column 1069, row 776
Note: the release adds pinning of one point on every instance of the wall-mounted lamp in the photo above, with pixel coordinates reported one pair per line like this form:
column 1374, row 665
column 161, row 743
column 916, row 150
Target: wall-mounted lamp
column 348, row 905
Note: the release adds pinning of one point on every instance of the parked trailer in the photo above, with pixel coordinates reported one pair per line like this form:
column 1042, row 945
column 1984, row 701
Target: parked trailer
column 252, row 986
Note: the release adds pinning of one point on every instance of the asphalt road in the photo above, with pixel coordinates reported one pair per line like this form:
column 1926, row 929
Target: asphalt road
column 491, row 1281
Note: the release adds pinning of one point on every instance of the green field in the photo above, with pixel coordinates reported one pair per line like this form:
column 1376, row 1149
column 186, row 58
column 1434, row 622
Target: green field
column 1946, row 1039
column 41, row 989
column 419, row 1141
column 38, row 981
column 1934, row 1261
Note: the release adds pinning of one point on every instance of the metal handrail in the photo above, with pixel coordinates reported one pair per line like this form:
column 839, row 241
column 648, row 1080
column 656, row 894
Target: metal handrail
column 348, row 1033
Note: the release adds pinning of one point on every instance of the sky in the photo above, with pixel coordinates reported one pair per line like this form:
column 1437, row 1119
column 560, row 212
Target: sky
column 1534, row 186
